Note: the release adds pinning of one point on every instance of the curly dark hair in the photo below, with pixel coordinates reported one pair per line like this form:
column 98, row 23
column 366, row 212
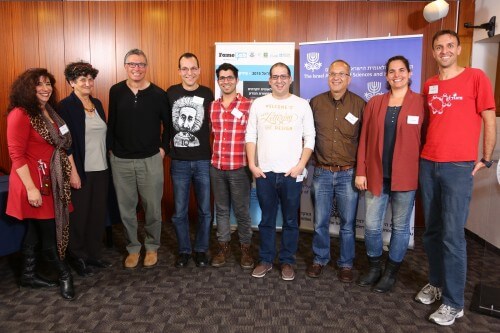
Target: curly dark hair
column 23, row 91
column 80, row 68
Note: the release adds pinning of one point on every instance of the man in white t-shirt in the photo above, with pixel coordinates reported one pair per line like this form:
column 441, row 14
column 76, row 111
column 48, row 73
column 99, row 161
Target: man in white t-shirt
column 279, row 141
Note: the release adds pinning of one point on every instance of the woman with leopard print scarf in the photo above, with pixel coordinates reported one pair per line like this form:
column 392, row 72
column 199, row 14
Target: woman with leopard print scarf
column 39, row 189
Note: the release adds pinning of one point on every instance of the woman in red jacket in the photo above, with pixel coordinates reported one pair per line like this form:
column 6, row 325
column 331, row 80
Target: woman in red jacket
column 387, row 168
column 39, row 188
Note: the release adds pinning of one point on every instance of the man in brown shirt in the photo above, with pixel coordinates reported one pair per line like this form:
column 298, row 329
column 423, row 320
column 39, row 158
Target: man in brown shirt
column 337, row 119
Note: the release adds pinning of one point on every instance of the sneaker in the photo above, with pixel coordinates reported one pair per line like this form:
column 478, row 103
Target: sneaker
column 287, row 272
column 429, row 294
column 446, row 315
column 261, row 269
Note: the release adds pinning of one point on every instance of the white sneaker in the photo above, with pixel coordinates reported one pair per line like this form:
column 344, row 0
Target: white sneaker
column 446, row 315
column 429, row 294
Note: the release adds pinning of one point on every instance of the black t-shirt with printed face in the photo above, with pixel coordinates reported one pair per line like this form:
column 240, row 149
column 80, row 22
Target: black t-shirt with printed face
column 189, row 130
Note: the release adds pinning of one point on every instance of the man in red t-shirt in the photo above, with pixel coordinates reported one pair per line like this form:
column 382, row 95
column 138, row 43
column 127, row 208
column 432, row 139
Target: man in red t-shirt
column 459, row 100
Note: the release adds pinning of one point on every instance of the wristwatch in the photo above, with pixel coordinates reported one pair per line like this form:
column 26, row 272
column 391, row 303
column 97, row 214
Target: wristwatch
column 487, row 163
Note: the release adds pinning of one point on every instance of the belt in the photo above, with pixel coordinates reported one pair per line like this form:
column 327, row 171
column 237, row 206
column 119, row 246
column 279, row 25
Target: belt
column 334, row 168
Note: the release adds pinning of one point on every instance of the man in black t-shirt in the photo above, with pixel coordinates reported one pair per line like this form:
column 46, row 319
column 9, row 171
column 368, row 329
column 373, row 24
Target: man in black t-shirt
column 190, row 153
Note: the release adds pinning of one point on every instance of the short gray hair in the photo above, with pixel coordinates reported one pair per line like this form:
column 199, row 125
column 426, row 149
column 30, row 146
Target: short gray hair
column 135, row 52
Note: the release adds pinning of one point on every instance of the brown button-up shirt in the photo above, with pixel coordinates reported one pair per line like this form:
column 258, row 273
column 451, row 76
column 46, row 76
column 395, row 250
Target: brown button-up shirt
column 337, row 131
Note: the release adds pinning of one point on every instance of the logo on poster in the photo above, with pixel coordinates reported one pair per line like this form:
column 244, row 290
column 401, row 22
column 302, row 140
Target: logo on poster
column 312, row 63
column 373, row 88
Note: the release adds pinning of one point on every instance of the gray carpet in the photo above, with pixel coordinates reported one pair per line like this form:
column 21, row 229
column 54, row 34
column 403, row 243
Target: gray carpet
column 228, row 299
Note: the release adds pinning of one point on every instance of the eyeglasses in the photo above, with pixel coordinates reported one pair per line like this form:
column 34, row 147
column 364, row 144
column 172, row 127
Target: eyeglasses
column 340, row 75
column 136, row 64
column 283, row 77
column 186, row 69
column 226, row 78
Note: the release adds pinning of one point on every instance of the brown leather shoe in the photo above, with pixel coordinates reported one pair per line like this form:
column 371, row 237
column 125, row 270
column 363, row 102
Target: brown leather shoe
column 314, row 270
column 222, row 255
column 246, row 261
column 345, row 274
column 131, row 261
column 151, row 259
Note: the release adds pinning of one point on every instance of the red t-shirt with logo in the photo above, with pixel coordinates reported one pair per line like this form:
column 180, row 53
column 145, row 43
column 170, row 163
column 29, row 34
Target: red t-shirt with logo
column 454, row 110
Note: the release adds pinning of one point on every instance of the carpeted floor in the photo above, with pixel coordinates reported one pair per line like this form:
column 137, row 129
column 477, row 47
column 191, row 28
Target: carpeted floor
column 228, row 299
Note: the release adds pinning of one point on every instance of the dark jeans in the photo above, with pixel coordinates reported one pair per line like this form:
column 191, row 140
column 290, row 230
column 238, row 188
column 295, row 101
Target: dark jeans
column 271, row 190
column 231, row 189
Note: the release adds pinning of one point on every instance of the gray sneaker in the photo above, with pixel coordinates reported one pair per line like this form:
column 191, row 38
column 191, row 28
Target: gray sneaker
column 429, row 294
column 261, row 269
column 287, row 272
column 446, row 315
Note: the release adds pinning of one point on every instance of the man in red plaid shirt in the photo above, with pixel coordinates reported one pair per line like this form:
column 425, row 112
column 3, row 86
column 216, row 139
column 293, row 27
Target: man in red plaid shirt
column 229, row 174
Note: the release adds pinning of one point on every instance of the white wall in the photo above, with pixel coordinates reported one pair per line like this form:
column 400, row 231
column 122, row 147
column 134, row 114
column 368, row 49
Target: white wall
column 484, row 217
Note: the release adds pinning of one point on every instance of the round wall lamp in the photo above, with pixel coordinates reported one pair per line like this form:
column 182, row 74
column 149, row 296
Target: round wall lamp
column 436, row 10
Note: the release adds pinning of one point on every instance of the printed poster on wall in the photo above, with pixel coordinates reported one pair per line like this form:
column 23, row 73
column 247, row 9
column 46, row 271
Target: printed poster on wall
column 253, row 61
column 367, row 58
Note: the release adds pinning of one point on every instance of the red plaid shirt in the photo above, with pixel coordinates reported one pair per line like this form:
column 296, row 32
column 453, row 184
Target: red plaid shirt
column 228, row 127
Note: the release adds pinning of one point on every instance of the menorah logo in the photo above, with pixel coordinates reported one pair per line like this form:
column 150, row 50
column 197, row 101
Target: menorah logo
column 313, row 63
column 373, row 89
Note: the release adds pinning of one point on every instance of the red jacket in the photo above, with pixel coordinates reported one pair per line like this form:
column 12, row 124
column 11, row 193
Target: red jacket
column 407, row 147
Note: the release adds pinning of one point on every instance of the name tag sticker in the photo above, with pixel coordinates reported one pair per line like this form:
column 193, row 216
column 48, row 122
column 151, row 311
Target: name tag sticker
column 351, row 118
column 198, row 100
column 302, row 176
column 413, row 120
column 63, row 129
column 237, row 113
column 433, row 89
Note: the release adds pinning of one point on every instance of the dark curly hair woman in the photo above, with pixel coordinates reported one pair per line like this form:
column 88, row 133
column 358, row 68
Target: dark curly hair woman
column 39, row 187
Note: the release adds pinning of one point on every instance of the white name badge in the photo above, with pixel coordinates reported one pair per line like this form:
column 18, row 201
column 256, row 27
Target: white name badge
column 433, row 89
column 413, row 120
column 302, row 176
column 63, row 129
column 198, row 100
column 351, row 118
column 237, row 113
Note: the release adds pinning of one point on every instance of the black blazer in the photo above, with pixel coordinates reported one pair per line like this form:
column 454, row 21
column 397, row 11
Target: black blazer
column 72, row 111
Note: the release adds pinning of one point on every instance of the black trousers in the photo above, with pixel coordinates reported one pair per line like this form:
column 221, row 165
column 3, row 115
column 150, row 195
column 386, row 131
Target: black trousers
column 88, row 219
column 41, row 232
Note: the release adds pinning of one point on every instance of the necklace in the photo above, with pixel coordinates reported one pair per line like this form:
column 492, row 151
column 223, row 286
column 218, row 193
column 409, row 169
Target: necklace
column 90, row 109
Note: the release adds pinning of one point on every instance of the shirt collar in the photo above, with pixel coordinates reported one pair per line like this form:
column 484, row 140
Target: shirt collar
column 341, row 100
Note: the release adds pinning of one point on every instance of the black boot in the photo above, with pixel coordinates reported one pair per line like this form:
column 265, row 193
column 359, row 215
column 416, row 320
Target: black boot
column 373, row 274
column 29, row 277
column 389, row 278
column 65, row 277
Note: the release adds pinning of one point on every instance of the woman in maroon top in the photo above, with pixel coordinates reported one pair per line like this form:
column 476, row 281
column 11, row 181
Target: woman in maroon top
column 387, row 168
column 39, row 189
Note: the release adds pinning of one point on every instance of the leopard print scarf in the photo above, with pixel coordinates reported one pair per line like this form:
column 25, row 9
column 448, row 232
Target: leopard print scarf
column 60, row 171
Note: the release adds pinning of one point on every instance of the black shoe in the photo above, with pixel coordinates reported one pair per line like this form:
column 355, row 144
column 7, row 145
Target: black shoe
column 182, row 260
column 200, row 259
column 99, row 263
column 81, row 267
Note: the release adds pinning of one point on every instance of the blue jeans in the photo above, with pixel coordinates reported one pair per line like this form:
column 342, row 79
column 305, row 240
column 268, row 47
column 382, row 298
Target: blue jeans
column 328, row 185
column 271, row 190
column 183, row 172
column 401, row 207
column 446, row 193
